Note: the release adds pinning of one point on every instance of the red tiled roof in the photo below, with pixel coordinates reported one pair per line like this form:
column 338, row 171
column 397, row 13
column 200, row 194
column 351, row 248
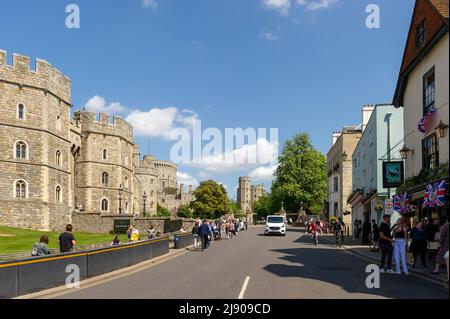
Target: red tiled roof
column 441, row 6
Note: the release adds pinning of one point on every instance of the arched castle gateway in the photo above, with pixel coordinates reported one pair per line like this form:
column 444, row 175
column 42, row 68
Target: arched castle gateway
column 52, row 165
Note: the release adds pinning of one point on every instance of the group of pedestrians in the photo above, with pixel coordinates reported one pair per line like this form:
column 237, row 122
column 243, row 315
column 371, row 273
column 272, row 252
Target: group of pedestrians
column 206, row 231
column 392, row 241
column 66, row 241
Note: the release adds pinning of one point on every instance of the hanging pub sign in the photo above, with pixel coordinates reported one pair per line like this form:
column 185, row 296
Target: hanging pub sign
column 393, row 174
column 435, row 194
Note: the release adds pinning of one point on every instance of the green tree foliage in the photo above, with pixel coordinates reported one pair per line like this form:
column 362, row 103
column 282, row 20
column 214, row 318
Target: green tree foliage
column 266, row 205
column 162, row 212
column 185, row 211
column 301, row 176
column 211, row 200
column 236, row 208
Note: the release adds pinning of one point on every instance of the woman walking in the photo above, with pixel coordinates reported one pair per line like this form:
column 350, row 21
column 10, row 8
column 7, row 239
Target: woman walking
column 400, row 234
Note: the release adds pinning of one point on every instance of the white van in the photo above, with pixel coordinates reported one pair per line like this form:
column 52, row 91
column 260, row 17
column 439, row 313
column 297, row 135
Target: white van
column 275, row 224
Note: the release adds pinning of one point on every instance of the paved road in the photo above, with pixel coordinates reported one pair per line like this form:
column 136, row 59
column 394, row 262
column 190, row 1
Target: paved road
column 278, row 267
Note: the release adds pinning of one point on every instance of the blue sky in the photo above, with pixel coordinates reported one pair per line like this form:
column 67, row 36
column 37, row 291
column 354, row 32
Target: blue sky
column 295, row 65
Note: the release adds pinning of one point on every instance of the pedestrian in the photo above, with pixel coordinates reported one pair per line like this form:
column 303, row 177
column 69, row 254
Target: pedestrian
column 195, row 233
column 41, row 248
column 67, row 240
column 366, row 228
column 231, row 230
column 400, row 231
column 355, row 229
column 385, row 242
column 246, row 225
column 151, row 232
column 419, row 244
column 134, row 234
column 130, row 232
column 204, row 232
column 443, row 247
column 375, row 236
column 116, row 241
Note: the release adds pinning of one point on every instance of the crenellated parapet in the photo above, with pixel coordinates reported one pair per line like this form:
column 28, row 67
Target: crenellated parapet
column 44, row 76
column 103, row 123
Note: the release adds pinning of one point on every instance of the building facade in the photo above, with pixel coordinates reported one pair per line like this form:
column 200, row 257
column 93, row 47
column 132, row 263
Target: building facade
column 383, row 131
column 248, row 194
column 340, row 172
column 53, row 165
column 423, row 93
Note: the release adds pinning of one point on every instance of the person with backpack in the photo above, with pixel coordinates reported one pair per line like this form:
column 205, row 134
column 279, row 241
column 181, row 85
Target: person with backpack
column 204, row 232
column 41, row 248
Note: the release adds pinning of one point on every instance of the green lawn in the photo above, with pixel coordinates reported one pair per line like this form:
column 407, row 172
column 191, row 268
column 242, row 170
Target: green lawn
column 13, row 240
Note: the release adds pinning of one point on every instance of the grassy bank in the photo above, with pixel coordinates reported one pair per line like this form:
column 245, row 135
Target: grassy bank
column 14, row 240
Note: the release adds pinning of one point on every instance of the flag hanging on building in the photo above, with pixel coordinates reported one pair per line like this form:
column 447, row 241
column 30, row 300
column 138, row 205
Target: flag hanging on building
column 422, row 126
column 435, row 194
column 402, row 203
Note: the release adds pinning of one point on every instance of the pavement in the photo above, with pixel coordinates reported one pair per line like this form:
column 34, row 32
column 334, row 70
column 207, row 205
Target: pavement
column 355, row 246
column 254, row 266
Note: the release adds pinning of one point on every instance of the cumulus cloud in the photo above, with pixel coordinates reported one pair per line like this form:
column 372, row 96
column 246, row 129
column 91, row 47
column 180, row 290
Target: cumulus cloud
column 98, row 104
column 152, row 4
column 263, row 173
column 284, row 6
column 160, row 122
column 186, row 179
column 281, row 6
column 249, row 156
column 268, row 35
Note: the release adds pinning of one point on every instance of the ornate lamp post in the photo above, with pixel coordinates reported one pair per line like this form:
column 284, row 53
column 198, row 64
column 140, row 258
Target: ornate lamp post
column 144, row 198
column 404, row 152
column 344, row 156
column 120, row 199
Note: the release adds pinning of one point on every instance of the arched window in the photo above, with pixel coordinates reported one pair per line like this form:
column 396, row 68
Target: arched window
column 126, row 207
column 105, row 179
column 58, row 195
column 21, row 150
column 105, row 154
column 126, row 182
column 20, row 189
column 21, row 111
column 104, row 205
column 151, row 193
column 58, row 122
column 58, row 158
column 152, row 205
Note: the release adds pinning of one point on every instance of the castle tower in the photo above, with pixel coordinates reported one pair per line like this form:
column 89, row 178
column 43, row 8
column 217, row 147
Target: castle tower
column 36, row 161
column 244, row 193
column 147, row 175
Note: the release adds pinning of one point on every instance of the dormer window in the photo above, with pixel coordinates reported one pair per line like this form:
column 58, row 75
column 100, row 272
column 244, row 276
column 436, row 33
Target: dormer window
column 420, row 35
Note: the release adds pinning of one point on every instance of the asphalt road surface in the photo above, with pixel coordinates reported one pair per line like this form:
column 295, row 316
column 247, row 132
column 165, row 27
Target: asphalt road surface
column 253, row 266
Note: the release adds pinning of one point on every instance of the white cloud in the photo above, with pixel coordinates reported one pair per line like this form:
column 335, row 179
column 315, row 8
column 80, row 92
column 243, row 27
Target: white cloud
column 268, row 35
column 281, row 6
column 249, row 156
column 263, row 173
column 186, row 179
column 98, row 104
column 153, row 4
column 160, row 122
column 317, row 4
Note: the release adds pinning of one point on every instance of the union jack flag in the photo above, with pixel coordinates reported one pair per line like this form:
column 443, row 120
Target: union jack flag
column 435, row 194
column 422, row 126
column 402, row 203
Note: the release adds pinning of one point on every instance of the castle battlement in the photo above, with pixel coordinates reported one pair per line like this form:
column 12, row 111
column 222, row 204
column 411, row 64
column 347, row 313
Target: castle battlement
column 103, row 123
column 44, row 76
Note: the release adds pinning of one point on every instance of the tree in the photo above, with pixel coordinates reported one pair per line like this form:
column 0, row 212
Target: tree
column 211, row 200
column 301, row 176
column 162, row 211
column 265, row 205
column 236, row 208
column 185, row 211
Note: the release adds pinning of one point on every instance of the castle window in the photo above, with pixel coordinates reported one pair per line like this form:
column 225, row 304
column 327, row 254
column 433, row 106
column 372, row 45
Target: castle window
column 58, row 123
column 105, row 154
column 21, row 150
column 126, row 160
column 58, row 158
column 152, row 205
column 20, row 189
column 21, row 111
column 105, row 179
column 151, row 193
column 126, row 182
column 58, row 195
column 104, row 205
column 126, row 207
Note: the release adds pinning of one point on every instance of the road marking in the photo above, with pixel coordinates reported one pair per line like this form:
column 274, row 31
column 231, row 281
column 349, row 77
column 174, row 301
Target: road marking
column 244, row 287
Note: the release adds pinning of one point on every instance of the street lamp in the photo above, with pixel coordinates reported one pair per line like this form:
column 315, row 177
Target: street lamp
column 442, row 129
column 405, row 151
column 344, row 156
column 120, row 199
column 144, row 197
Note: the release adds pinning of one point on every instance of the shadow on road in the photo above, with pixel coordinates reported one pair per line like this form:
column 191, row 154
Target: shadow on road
column 338, row 267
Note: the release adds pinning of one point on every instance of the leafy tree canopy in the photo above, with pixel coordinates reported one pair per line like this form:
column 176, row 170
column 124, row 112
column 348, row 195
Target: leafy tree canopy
column 162, row 211
column 211, row 200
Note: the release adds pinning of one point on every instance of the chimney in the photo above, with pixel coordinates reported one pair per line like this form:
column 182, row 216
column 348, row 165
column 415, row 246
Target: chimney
column 336, row 136
column 366, row 113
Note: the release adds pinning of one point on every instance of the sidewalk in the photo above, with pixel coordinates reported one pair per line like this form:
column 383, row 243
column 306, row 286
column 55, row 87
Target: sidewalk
column 355, row 246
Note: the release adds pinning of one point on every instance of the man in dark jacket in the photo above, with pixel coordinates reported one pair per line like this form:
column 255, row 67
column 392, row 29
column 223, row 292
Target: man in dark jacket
column 204, row 231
